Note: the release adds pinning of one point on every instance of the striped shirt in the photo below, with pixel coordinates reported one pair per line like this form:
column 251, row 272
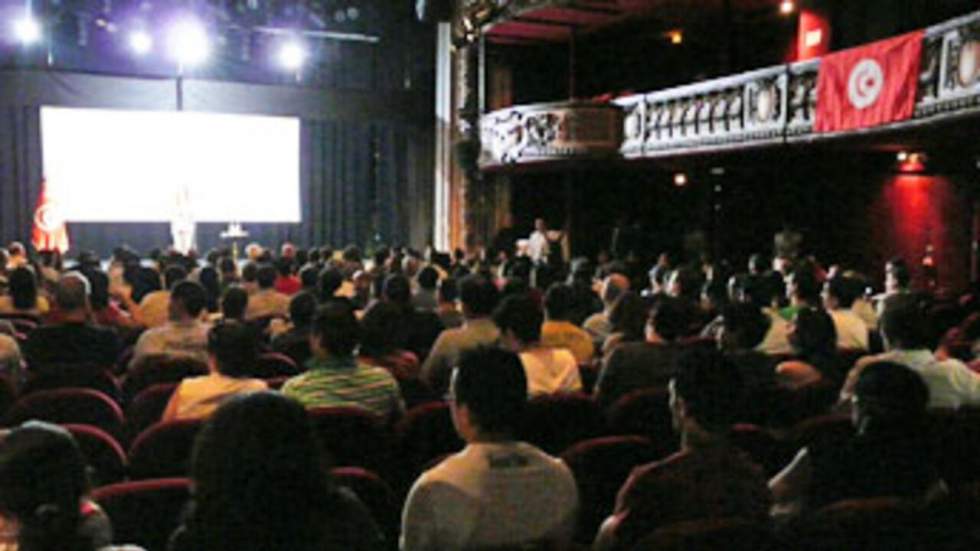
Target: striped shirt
column 342, row 382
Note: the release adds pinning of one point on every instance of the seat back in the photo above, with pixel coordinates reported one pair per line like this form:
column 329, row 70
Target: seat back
column 163, row 450
column 104, row 456
column 875, row 524
column 426, row 432
column 825, row 428
column 146, row 409
column 353, row 437
column 160, row 369
column 762, row 446
column 600, row 467
column 730, row 534
column 376, row 495
column 73, row 376
column 273, row 364
column 555, row 422
column 68, row 405
column 144, row 512
column 645, row 412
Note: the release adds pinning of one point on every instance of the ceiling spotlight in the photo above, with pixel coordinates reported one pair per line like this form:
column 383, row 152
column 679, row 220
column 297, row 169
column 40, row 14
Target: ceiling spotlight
column 140, row 42
column 292, row 55
column 676, row 37
column 902, row 156
column 680, row 179
column 189, row 44
column 27, row 30
column 787, row 7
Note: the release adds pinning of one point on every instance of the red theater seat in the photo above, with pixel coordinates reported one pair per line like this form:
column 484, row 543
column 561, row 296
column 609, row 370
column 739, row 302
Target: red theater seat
column 160, row 369
column 376, row 495
column 72, row 376
column 729, row 534
column 353, row 437
column 426, row 432
column 163, row 450
column 645, row 412
column 273, row 364
column 555, row 422
column 103, row 454
column 146, row 409
column 146, row 512
column 68, row 405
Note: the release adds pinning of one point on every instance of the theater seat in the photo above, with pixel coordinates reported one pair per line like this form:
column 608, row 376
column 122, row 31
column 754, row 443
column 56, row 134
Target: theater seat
column 762, row 446
column 825, row 428
column 601, row 466
column 426, row 432
column 146, row 409
column 163, row 450
column 376, row 495
column 554, row 422
column 273, row 364
column 354, row 437
column 144, row 512
column 645, row 412
column 68, row 405
column 160, row 369
column 877, row 524
column 103, row 454
column 729, row 534
column 52, row 377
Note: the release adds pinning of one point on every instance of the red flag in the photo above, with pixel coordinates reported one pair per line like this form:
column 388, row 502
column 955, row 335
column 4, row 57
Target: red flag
column 868, row 86
column 50, row 233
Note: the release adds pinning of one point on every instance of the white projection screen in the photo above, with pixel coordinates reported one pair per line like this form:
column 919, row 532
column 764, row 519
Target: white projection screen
column 138, row 166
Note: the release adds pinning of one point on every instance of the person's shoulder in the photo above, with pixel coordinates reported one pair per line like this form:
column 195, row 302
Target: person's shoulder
column 564, row 356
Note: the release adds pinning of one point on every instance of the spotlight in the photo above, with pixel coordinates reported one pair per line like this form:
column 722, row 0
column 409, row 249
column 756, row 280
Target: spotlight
column 292, row 55
column 189, row 43
column 680, row 179
column 140, row 42
column 27, row 30
column 787, row 7
column 676, row 37
column 902, row 156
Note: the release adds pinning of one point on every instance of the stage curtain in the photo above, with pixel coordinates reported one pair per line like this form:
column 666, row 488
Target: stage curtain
column 20, row 170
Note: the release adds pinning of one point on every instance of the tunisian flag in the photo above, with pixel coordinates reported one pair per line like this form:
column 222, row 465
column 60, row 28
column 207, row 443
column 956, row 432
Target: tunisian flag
column 870, row 85
column 50, row 233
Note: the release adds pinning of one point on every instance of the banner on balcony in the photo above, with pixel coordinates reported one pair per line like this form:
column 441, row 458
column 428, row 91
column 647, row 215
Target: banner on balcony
column 868, row 86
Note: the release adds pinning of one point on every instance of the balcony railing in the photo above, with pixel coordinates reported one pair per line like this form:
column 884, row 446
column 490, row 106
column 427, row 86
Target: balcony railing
column 761, row 108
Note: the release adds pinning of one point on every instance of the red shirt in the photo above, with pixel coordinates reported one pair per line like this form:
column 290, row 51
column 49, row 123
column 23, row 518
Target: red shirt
column 289, row 285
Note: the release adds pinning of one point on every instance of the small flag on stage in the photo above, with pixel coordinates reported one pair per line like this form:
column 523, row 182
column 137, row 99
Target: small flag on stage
column 868, row 86
column 50, row 233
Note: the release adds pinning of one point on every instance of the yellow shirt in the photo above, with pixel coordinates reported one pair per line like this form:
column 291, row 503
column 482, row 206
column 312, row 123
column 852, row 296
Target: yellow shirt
column 564, row 334
column 199, row 397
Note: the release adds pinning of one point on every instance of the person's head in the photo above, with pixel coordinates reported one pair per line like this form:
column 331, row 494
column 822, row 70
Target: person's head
column 479, row 296
column 714, row 296
column 658, row 278
column 302, row 308
column 448, row 290
column 234, row 303
column 284, row 266
column 173, row 275
column 250, row 272
column 309, row 275
column 72, row 293
column 330, row 280
column 336, row 331
column 99, row 288
column 684, row 283
column 427, row 278
column 559, row 302
column 840, row 292
column 397, row 290
column 266, row 276
column 278, row 497
column 22, row 286
column 802, row 287
column 380, row 324
column 187, row 300
column 229, row 272
column 765, row 291
column 758, row 264
column 628, row 316
column 233, row 348
column 613, row 286
column 488, row 394
column 705, row 392
column 519, row 319
column 903, row 327
column 540, row 225
column 287, row 250
column 42, row 480
column 888, row 395
column 744, row 326
column 812, row 333
column 208, row 278
column 668, row 320
column 4, row 260
column 897, row 276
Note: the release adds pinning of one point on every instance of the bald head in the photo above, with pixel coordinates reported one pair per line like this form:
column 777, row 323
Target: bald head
column 72, row 292
column 613, row 286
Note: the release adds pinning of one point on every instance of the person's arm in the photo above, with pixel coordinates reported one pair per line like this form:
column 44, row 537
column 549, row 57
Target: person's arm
column 170, row 412
column 124, row 294
column 790, row 486
column 418, row 520
column 965, row 382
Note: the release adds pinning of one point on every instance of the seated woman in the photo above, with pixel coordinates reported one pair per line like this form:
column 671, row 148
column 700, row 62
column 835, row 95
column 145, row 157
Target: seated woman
column 379, row 326
column 232, row 350
column 890, row 455
column 23, row 297
column 280, row 498
column 43, row 489
column 106, row 310
column 814, row 341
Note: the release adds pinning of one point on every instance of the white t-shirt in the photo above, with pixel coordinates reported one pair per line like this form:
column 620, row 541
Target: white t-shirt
column 490, row 495
column 951, row 384
column 852, row 332
column 550, row 370
column 537, row 246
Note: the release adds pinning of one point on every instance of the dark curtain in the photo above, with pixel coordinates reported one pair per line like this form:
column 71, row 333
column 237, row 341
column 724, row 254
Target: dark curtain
column 20, row 171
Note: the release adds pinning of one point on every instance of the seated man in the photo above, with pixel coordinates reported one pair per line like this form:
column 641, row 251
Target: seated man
column 558, row 331
column 598, row 325
column 185, row 334
column 267, row 301
column 839, row 294
column 708, row 478
column 497, row 492
column 153, row 306
column 334, row 377
column 295, row 341
column 548, row 370
column 74, row 340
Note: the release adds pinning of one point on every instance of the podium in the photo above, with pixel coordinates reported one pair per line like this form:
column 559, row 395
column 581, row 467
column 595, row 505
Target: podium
column 234, row 233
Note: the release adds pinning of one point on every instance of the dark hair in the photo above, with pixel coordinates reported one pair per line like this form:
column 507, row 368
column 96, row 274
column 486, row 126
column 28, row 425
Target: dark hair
column 891, row 394
column 302, row 307
column 689, row 281
column 745, row 325
column 807, row 286
column 235, row 348
column 99, row 288
column 284, row 266
column 191, row 295
column 427, row 278
column 448, row 290
column 208, row 277
column 900, row 271
column 522, row 315
column 559, row 301
column 308, row 276
column 23, row 288
column 351, row 254
column 266, row 276
column 250, row 271
column 815, row 334
column 478, row 294
column 669, row 318
column 628, row 316
column 42, row 480
column 761, row 290
column 277, row 499
column 379, row 326
column 234, row 303
column 227, row 266
column 173, row 275
column 904, row 326
column 711, row 387
column 844, row 289
column 330, row 280
column 72, row 291
column 397, row 289
column 337, row 327
column 491, row 383
column 759, row 263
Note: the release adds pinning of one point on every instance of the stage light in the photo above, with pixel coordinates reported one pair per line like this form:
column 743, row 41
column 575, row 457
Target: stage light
column 27, row 30
column 292, row 55
column 787, row 7
column 680, row 179
column 902, row 156
column 676, row 37
column 189, row 43
column 140, row 42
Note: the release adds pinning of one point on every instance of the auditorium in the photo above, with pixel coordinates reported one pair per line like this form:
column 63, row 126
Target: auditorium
column 489, row 275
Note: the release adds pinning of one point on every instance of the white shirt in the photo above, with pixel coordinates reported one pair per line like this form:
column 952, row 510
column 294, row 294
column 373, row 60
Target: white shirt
column 852, row 332
column 776, row 341
column 175, row 339
column 490, row 495
column 537, row 246
column 550, row 370
column 951, row 384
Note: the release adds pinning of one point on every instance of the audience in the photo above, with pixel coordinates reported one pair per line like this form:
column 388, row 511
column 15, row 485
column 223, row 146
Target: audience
column 286, row 281
column 839, row 294
column 267, row 302
column 335, row 378
column 295, row 340
column 814, row 341
column 124, row 315
column 23, row 297
column 547, row 369
column 155, row 305
column 185, row 334
column 11, row 360
column 628, row 317
column 707, row 478
column 497, row 492
column 380, row 321
column 598, row 325
column 744, row 328
column 417, row 329
column 425, row 297
column 558, row 331
column 278, row 496
column 448, row 312
column 232, row 353
column 234, row 303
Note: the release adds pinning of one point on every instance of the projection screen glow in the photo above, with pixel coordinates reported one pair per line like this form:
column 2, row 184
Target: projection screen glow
column 133, row 166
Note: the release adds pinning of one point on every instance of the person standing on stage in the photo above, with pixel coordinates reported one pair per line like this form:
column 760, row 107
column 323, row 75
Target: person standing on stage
column 182, row 227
